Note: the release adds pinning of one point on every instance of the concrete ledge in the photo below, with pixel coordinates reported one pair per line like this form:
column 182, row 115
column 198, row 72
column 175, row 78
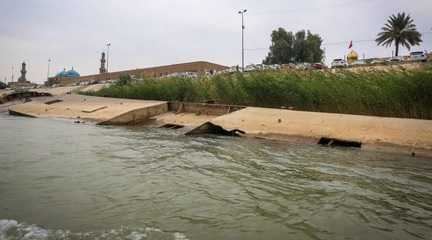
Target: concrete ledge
column 137, row 116
column 96, row 109
column 202, row 108
column 15, row 113
column 282, row 124
column 12, row 95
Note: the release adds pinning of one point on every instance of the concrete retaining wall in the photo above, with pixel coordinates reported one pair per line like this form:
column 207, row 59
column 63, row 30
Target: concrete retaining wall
column 202, row 108
column 137, row 116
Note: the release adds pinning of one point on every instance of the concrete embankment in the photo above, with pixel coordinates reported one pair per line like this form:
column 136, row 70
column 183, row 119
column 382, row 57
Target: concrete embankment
column 364, row 130
column 97, row 109
column 280, row 124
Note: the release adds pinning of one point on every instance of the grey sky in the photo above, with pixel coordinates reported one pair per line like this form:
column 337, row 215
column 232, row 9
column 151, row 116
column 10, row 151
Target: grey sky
column 147, row 33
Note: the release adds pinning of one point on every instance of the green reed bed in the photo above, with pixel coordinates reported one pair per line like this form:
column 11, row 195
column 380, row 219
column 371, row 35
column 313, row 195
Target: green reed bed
column 401, row 93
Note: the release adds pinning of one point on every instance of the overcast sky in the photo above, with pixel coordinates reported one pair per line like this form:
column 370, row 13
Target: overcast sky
column 145, row 33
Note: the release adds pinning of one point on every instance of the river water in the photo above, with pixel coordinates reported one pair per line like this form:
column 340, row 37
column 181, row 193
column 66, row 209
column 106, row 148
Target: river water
column 60, row 180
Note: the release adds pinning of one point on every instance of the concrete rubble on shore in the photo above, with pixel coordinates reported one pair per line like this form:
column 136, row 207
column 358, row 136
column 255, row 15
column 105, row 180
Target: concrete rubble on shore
column 279, row 124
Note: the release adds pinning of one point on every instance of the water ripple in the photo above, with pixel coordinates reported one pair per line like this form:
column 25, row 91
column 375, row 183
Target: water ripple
column 90, row 178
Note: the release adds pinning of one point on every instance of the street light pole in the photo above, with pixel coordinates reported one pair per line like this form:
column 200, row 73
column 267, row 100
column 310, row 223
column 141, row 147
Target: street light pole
column 48, row 72
column 242, row 12
column 108, row 48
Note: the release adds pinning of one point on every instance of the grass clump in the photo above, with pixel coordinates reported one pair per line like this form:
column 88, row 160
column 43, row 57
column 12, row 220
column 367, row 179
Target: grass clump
column 398, row 93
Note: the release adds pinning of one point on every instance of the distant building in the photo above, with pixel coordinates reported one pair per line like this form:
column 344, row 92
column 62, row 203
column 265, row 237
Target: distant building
column 62, row 75
column 192, row 68
column 70, row 73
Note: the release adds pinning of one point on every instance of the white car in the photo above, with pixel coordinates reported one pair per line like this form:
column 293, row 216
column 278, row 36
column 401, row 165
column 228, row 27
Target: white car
column 339, row 63
column 358, row 63
column 250, row 68
column 395, row 59
column 275, row 66
column 377, row 61
column 418, row 56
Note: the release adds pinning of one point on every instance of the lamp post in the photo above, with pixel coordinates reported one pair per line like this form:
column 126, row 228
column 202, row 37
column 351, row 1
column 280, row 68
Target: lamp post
column 48, row 71
column 242, row 13
column 12, row 76
column 108, row 48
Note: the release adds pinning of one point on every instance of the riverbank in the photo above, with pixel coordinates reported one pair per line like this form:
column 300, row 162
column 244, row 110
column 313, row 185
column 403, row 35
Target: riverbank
column 394, row 93
column 409, row 136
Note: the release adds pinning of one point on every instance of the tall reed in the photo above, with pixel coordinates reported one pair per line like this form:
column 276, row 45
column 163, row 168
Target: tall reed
column 398, row 93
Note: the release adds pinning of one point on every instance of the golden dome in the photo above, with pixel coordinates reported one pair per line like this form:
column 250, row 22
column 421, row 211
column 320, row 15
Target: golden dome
column 352, row 57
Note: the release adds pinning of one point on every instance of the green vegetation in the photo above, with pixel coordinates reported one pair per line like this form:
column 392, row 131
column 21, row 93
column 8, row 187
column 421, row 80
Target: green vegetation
column 401, row 30
column 300, row 47
column 2, row 85
column 404, row 93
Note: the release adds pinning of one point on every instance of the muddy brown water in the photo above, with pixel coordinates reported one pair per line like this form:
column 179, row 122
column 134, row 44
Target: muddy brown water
column 60, row 180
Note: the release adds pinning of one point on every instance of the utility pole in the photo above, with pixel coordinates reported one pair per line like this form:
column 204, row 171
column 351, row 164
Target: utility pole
column 242, row 12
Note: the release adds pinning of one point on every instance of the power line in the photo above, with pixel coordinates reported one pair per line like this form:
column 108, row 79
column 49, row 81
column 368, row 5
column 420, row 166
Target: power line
column 324, row 44
column 345, row 42
column 330, row 43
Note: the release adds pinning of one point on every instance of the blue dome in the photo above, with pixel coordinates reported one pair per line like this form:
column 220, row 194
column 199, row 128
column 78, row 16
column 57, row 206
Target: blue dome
column 61, row 74
column 70, row 73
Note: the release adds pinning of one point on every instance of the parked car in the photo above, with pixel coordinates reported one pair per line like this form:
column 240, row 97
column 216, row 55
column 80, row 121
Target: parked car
column 303, row 66
column 250, row 68
column 395, row 59
column 358, row 63
column 230, row 70
column 276, row 67
column 377, row 61
column 418, row 56
column 319, row 66
column 339, row 63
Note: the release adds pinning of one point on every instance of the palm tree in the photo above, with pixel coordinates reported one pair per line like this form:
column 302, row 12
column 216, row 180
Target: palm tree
column 401, row 30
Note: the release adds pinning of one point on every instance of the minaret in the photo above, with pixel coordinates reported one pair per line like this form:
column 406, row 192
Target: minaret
column 102, row 68
column 23, row 79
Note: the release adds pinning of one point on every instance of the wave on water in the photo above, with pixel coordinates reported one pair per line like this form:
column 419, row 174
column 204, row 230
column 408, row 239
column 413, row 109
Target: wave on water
column 13, row 230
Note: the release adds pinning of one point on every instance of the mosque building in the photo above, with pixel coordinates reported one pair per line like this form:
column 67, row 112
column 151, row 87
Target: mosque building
column 70, row 73
column 71, row 77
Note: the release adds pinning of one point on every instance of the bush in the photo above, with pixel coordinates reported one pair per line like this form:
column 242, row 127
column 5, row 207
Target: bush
column 124, row 80
column 2, row 85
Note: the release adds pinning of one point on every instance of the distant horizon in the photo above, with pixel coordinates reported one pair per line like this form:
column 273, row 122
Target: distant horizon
column 74, row 33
